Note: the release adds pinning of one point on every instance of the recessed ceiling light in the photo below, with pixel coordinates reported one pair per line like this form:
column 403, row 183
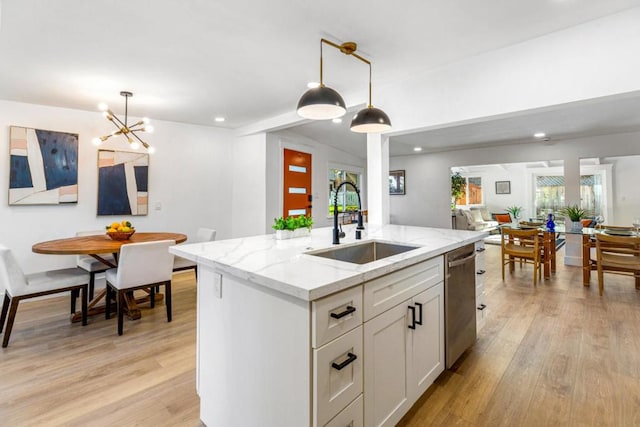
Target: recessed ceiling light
column 416, row 149
column 312, row 85
column 539, row 134
column 219, row 119
column 337, row 120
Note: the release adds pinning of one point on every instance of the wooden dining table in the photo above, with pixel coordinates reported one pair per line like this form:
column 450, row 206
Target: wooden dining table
column 101, row 244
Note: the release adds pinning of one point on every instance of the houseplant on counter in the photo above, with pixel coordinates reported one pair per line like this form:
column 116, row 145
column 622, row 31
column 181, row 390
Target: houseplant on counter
column 287, row 228
column 575, row 214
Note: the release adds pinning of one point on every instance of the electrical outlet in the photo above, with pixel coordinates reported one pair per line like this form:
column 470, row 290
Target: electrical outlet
column 217, row 285
column 158, row 206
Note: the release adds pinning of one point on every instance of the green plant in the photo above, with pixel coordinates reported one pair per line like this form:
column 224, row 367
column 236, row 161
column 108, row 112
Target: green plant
column 458, row 184
column 515, row 211
column 292, row 222
column 574, row 212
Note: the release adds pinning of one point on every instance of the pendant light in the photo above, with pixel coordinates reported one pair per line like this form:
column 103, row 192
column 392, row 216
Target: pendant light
column 323, row 103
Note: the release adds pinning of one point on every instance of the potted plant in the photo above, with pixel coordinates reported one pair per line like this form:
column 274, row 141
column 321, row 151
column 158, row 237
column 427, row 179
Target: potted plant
column 575, row 213
column 515, row 212
column 458, row 185
column 289, row 227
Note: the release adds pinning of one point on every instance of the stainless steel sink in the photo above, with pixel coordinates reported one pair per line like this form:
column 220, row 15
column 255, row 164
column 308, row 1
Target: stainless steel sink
column 363, row 253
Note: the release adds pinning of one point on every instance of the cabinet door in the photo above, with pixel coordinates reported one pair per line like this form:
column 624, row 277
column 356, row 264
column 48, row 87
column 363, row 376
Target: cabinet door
column 426, row 360
column 386, row 345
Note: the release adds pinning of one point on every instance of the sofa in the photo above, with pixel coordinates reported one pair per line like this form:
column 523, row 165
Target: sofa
column 475, row 218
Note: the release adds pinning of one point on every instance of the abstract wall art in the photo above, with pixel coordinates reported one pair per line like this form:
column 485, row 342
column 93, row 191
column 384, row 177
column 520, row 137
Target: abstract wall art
column 123, row 177
column 43, row 167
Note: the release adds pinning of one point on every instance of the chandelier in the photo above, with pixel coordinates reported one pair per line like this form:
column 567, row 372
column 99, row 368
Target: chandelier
column 124, row 128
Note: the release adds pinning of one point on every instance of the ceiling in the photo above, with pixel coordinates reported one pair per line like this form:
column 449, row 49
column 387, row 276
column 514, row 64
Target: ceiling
column 249, row 61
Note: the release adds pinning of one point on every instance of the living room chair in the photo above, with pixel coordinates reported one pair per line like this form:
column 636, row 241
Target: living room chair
column 19, row 286
column 92, row 265
column 203, row 235
column 140, row 266
column 523, row 245
column 617, row 255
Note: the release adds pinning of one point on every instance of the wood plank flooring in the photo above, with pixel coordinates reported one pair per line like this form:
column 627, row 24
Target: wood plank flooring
column 555, row 355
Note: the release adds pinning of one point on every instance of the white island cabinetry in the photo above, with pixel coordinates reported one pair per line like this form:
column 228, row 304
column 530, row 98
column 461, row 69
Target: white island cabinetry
column 289, row 339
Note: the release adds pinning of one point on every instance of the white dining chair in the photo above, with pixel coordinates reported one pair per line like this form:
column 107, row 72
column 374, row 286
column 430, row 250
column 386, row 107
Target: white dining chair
column 203, row 235
column 92, row 265
column 140, row 266
column 19, row 286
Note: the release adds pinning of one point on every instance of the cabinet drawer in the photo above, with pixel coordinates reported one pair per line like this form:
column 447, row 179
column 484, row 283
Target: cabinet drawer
column 334, row 315
column 351, row 416
column 337, row 375
column 385, row 292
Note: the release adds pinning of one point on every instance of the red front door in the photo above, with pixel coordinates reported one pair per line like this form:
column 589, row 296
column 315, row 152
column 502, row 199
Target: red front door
column 297, row 183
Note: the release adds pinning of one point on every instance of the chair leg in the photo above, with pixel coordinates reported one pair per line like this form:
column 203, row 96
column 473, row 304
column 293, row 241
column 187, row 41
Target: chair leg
column 92, row 282
column 5, row 309
column 84, row 305
column 600, row 281
column 120, row 311
column 152, row 296
column 74, row 295
column 502, row 268
column 107, row 302
column 12, row 315
column 167, row 296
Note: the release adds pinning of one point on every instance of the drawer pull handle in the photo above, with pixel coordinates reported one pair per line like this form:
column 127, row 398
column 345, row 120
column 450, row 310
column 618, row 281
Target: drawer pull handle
column 419, row 322
column 348, row 311
column 413, row 318
column 480, row 250
column 482, row 307
column 480, row 272
column 344, row 364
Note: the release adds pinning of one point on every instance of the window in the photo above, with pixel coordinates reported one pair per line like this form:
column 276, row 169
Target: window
column 347, row 197
column 549, row 194
column 472, row 192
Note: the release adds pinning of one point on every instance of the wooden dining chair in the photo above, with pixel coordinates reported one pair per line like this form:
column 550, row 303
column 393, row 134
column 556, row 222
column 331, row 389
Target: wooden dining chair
column 523, row 245
column 203, row 235
column 617, row 255
column 92, row 265
column 19, row 286
column 140, row 266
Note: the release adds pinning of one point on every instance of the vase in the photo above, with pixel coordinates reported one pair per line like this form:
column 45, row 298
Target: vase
column 284, row 234
column 576, row 226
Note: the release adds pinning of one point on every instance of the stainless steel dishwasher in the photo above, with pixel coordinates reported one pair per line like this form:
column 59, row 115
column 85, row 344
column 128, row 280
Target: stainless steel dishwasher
column 460, row 302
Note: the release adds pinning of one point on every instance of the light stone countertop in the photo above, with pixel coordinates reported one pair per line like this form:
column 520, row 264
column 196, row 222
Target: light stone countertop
column 284, row 266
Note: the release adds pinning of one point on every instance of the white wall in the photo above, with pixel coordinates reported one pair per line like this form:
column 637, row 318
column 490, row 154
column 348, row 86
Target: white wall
column 188, row 176
column 583, row 62
column 322, row 156
column 428, row 200
column 626, row 195
column 247, row 181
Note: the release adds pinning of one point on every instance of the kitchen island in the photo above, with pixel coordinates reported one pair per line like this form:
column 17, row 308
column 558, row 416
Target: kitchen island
column 287, row 338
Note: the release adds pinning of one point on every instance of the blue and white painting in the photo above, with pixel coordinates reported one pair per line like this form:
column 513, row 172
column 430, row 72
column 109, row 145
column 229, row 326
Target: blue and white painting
column 43, row 167
column 123, row 177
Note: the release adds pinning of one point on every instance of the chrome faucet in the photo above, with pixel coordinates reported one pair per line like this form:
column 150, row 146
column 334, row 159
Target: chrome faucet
column 338, row 233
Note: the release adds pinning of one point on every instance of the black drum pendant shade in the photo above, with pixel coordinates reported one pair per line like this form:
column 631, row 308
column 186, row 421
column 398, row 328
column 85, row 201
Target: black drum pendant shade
column 321, row 103
column 370, row 120
column 324, row 103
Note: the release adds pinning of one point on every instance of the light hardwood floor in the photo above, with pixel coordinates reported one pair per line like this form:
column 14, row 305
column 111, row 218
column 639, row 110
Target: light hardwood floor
column 557, row 354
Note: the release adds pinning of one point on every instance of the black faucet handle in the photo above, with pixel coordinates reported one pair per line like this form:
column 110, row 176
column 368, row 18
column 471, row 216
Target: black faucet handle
column 341, row 234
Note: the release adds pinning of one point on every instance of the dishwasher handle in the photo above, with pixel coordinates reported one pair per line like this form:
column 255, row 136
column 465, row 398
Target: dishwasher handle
column 461, row 261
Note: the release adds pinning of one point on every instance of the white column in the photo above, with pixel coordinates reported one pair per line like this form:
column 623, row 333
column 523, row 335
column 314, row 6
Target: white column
column 573, row 248
column 378, row 178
